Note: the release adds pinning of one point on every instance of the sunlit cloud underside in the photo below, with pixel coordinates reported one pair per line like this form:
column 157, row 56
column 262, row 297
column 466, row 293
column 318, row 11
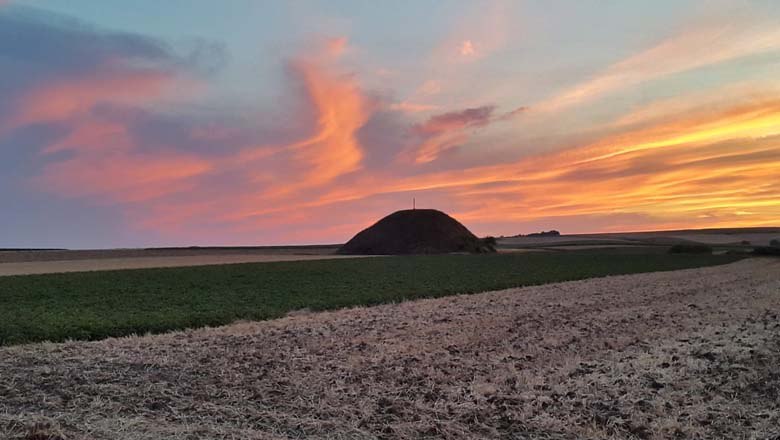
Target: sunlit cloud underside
column 681, row 131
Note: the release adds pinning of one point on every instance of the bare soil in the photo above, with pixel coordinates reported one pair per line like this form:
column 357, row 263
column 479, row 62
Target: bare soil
column 684, row 354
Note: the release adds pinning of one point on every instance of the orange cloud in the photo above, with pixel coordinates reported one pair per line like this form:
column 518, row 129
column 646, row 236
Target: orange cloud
column 341, row 110
column 709, row 183
column 707, row 170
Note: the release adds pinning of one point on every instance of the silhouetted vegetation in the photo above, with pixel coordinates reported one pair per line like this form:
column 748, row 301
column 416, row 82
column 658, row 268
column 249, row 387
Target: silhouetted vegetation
column 767, row 250
column 775, row 243
column 690, row 249
column 490, row 243
column 551, row 233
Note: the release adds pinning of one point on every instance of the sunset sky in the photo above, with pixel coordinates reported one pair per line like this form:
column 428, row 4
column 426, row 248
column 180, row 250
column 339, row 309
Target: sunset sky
column 184, row 122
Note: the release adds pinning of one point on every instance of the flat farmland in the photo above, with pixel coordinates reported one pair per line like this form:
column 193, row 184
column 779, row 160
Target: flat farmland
column 680, row 354
column 30, row 262
column 95, row 305
column 105, row 264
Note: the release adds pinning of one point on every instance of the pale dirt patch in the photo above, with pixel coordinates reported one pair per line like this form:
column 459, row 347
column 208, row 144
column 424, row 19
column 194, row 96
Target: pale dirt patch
column 59, row 266
column 684, row 354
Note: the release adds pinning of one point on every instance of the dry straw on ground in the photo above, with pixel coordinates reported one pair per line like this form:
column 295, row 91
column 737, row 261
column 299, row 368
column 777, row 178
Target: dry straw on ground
column 685, row 354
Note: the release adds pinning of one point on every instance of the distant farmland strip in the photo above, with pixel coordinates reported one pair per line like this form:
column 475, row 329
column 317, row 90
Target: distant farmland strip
column 95, row 305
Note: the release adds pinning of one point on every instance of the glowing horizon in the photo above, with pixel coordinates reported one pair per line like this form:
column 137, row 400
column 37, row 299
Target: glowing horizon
column 302, row 123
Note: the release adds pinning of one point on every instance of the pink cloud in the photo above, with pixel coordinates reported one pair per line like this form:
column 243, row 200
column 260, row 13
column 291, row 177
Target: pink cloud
column 443, row 132
column 63, row 99
column 471, row 117
column 336, row 46
column 122, row 177
column 340, row 109
column 467, row 48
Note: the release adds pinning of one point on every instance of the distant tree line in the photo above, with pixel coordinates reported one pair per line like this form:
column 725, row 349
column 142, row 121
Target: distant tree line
column 550, row 233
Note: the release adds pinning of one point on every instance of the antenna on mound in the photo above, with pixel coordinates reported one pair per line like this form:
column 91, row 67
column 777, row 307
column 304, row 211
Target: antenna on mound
column 414, row 204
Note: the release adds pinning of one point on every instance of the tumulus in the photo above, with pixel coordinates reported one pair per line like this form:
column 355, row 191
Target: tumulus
column 415, row 231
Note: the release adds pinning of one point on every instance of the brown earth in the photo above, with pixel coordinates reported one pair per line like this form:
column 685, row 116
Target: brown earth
column 684, row 354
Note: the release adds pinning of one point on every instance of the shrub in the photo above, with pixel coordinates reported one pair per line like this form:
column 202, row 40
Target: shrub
column 767, row 250
column 489, row 243
column 690, row 249
column 775, row 243
column 745, row 243
column 550, row 233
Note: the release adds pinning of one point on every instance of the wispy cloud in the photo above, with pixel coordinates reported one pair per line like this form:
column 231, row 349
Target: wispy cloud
column 341, row 109
column 445, row 131
column 692, row 49
column 63, row 99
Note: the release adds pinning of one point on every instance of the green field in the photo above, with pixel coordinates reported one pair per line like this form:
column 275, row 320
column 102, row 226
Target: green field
column 95, row 305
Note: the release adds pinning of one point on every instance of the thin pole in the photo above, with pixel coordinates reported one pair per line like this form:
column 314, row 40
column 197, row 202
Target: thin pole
column 414, row 203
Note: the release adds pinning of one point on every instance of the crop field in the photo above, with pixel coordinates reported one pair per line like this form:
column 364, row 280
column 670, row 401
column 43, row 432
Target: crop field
column 688, row 354
column 95, row 305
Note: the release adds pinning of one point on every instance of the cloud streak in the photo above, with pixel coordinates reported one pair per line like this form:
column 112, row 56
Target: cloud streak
column 445, row 131
column 691, row 49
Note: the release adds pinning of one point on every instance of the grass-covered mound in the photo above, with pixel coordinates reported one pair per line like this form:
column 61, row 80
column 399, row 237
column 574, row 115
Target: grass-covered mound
column 415, row 231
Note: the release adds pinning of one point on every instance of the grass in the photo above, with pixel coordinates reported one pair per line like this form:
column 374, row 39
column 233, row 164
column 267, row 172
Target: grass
column 96, row 305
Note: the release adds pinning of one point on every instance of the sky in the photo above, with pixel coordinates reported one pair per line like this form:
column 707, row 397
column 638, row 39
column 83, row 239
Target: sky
column 190, row 122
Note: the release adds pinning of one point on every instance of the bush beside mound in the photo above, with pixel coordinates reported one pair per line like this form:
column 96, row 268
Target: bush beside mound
column 767, row 250
column 690, row 249
column 416, row 231
column 774, row 243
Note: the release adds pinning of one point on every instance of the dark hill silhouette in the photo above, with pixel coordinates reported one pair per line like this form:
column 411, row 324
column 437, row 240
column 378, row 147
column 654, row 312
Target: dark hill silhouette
column 415, row 231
